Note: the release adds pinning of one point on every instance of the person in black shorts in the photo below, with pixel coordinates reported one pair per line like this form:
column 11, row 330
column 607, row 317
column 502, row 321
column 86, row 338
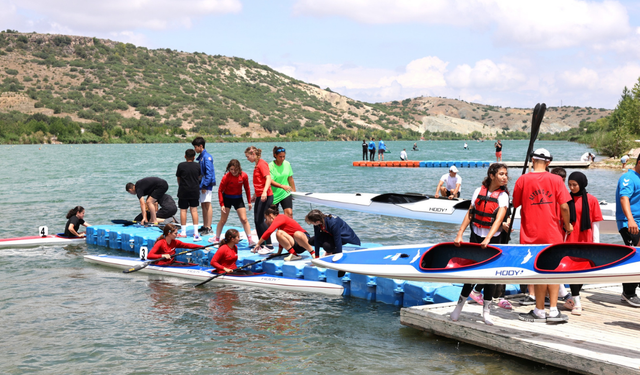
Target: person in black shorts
column 365, row 149
column 230, row 195
column 76, row 219
column 188, row 175
column 152, row 187
column 165, row 209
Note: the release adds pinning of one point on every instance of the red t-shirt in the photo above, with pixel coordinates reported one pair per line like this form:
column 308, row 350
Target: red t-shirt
column 283, row 223
column 260, row 173
column 540, row 194
column 232, row 185
column 225, row 257
column 594, row 214
column 162, row 247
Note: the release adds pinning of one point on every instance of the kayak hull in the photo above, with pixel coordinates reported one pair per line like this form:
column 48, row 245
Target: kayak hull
column 35, row 241
column 199, row 274
column 504, row 264
column 441, row 210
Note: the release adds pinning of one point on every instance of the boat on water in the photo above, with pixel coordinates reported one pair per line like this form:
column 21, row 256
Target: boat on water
column 571, row 263
column 200, row 273
column 422, row 207
column 35, row 241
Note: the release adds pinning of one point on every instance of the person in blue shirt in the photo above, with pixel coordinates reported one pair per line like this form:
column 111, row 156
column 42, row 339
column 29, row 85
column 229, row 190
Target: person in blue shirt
column 627, row 217
column 207, row 183
column 381, row 149
column 372, row 150
column 330, row 232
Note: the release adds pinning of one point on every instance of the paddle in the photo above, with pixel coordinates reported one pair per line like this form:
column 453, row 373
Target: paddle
column 149, row 262
column 245, row 266
column 536, row 120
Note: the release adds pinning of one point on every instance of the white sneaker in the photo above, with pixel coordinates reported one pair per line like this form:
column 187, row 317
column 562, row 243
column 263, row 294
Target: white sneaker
column 197, row 238
column 292, row 257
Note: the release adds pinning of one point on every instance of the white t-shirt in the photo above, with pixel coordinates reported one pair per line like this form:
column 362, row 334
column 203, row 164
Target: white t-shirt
column 585, row 157
column 503, row 201
column 451, row 182
column 403, row 155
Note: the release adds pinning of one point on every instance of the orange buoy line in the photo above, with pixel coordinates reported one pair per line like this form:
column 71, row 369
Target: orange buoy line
column 422, row 164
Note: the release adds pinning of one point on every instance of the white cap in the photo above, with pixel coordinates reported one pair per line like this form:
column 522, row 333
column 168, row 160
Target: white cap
column 453, row 169
column 541, row 154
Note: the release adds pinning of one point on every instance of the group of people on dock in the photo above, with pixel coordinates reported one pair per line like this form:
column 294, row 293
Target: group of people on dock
column 369, row 149
column 550, row 214
column 272, row 186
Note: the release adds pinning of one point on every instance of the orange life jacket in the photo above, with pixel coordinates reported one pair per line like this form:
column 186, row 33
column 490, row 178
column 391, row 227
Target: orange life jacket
column 485, row 208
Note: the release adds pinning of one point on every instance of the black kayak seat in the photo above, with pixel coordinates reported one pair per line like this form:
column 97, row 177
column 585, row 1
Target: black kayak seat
column 395, row 198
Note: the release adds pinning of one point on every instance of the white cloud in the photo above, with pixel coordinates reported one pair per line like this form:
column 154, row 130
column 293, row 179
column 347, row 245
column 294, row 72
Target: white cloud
column 582, row 79
column 427, row 72
column 539, row 23
column 486, row 74
column 114, row 16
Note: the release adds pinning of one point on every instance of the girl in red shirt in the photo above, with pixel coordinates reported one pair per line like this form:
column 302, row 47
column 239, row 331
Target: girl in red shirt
column 263, row 195
column 166, row 246
column 225, row 258
column 586, row 227
column 290, row 235
column 230, row 195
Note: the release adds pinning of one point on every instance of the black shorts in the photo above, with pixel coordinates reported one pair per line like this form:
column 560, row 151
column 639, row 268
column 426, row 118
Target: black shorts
column 449, row 192
column 299, row 249
column 286, row 203
column 159, row 191
column 236, row 203
column 184, row 203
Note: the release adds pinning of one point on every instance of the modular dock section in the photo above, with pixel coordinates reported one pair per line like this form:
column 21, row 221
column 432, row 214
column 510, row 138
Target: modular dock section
column 603, row 340
column 463, row 164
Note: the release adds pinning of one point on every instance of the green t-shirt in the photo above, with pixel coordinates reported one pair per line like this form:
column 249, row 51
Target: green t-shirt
column 280, row 174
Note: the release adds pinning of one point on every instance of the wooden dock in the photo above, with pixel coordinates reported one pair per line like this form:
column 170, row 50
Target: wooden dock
column 605, row 339
column 553, row 164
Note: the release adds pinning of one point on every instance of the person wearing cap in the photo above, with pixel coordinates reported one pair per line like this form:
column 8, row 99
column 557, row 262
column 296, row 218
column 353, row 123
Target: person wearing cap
column 449, row 185
column 540, row 193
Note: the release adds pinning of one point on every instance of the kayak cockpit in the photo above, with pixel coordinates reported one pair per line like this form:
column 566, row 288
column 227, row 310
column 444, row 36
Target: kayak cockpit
column 574, row 257
column 447, row 256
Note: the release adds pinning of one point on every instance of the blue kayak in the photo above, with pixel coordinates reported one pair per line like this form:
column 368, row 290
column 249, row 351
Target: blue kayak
column 572, row 263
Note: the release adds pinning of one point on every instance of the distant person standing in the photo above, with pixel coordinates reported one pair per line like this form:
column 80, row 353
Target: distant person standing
column 449, row 185
column 624, row 161
column 372, row 150
column 188, row 175
column 415, row 147
column 498, row 146
column 365, row 150
column 207, row 183
column 403, row 154
column 627, row 217
column 381, row 149
column 466, row 146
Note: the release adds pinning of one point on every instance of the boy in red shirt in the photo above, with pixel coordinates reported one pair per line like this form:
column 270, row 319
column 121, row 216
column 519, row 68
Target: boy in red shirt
column 539, row 193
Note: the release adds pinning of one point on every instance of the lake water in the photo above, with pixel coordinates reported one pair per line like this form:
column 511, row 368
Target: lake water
column 63, row 315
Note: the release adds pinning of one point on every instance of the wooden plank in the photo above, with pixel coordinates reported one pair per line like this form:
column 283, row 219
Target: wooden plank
column 604, row 340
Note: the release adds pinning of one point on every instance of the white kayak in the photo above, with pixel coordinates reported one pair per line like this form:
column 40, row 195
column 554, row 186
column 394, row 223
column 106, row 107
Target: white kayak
column 421, row 207
column 199, row 274
column 35, row 241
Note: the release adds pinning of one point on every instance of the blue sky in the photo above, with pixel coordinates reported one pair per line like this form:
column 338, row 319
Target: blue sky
column 498, row 52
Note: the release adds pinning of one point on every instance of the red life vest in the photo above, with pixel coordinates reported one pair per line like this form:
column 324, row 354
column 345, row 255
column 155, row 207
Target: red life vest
column 485, row 208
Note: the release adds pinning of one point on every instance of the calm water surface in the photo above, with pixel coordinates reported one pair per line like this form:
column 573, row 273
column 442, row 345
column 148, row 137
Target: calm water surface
column 62, row 315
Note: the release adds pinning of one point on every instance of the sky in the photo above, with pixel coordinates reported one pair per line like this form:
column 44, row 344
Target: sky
column 509, row 53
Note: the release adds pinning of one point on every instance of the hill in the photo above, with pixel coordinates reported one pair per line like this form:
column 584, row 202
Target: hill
column 81, row 89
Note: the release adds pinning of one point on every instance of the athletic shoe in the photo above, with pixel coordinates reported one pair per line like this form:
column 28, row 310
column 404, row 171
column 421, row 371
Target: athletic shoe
column 557, row 318
column 182, row 235
column 252, row 244
column 197, row 238
column 292, row 257
column 577, row 310
column 631, row 300
column 505, row 304
column 202, row 229
column 264, row 251
column 477, row 297
column 206, row 232
column 527, row 301
column 212, row 240
column 531, row 317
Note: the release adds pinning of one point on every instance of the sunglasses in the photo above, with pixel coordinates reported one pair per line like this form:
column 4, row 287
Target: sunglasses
column 279, row 150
